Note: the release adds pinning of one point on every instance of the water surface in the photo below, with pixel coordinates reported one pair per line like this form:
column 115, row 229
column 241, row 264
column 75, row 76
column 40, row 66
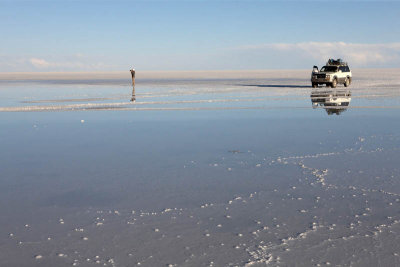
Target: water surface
column 200, row 172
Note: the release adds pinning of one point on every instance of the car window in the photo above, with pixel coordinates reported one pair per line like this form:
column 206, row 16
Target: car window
column 329, row 68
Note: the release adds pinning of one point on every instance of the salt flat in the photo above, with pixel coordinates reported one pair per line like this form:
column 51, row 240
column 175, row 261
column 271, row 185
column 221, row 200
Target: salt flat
column 204, row 169
column 113, row 75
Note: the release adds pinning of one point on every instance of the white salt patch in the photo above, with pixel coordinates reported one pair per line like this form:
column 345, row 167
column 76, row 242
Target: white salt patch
column 38, row 257
column 85, row 238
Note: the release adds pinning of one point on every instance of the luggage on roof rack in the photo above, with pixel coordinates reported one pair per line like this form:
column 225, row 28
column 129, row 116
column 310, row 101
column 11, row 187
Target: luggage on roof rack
column 336, row 62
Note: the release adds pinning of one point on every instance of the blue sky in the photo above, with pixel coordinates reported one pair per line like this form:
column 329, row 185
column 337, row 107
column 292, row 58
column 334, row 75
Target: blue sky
column 196, row 35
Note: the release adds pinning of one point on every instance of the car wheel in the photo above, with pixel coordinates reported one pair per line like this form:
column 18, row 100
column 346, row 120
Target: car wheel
column 314, row 85
column 334, row 83
column 346, row 82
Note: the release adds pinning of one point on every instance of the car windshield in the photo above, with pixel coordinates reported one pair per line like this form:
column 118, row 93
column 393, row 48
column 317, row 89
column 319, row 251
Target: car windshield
column 329, row 68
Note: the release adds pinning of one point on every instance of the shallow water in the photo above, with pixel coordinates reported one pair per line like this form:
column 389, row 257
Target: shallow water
column 221, row 172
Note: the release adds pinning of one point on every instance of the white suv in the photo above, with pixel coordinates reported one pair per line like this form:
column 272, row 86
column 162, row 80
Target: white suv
column 335, row 71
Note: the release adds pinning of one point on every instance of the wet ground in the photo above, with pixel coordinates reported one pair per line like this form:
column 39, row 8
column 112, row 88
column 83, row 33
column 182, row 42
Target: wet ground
column 200, row 172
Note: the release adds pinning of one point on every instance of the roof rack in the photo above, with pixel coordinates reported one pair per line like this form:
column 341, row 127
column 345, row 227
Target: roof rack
column 336, row 62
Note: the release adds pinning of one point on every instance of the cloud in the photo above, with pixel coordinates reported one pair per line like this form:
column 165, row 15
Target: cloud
column 302, row 55
column 358, row 54
column 39, row 63
column 78, row 62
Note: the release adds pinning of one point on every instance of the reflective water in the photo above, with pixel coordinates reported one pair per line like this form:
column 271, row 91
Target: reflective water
column 222, row 172
column 335, row 101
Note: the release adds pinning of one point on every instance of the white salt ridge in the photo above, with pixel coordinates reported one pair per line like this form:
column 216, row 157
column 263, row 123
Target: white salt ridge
column 309, row 156
column 110, row 106
column 264, row 253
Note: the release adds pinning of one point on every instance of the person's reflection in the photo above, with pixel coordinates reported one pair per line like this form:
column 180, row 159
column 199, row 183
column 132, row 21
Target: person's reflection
column 333, row 101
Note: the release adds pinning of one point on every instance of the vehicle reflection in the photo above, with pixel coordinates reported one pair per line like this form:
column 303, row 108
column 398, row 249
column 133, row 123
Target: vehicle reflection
column 333, row 101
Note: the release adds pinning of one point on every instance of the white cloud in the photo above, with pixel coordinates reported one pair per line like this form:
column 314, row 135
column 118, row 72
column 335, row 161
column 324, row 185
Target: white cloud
column 264, row 56
column 77, row 62
column 358, row 54
column 39, row 63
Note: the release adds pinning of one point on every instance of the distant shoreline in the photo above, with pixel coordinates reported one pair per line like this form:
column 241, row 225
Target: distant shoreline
column 162, row 75
column 113, row 75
